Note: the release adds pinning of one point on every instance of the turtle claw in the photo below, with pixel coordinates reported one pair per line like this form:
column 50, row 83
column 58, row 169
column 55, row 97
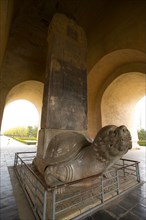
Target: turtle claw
column 60, row 190
column 52, row 181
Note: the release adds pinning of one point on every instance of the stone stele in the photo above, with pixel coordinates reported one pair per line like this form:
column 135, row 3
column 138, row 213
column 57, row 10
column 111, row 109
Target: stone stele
column 71, row 156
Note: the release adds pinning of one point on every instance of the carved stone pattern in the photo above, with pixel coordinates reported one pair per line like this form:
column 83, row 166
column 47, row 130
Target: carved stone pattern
column 110, row 143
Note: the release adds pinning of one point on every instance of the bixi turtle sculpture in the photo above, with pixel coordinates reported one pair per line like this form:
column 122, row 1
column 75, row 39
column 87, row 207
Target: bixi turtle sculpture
column 72, row 157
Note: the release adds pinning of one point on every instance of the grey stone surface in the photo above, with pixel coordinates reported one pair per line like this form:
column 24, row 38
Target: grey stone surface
column 13, row 203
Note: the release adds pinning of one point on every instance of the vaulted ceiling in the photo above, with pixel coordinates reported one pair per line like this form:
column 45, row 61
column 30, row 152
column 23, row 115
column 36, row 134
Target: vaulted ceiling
column 99, row 18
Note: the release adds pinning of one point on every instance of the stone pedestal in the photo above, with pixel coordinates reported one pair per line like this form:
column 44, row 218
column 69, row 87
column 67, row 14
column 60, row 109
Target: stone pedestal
column 65, row 90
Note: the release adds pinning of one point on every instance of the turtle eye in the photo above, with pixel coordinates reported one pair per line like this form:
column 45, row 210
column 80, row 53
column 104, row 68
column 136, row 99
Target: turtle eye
column 110, row 145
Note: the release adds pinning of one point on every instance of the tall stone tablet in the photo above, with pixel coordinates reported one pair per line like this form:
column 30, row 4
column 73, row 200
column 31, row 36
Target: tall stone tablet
column 65, row 94
column 65, row 90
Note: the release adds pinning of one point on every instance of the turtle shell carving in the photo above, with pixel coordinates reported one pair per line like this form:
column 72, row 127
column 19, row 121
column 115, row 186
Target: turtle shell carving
column 70, row 156
column 64, row 147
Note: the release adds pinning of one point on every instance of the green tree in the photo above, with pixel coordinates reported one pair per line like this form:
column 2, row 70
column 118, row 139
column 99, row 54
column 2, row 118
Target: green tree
column 35, row 131
column 142, row 134
column 29, row 131
column 18, row 131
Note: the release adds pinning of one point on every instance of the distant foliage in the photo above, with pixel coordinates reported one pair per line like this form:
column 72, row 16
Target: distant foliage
column 32, row 131
column 142, row 134
column 142, row 143
column 29, row 131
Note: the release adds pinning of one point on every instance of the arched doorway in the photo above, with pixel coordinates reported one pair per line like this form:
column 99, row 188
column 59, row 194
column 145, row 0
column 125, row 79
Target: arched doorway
column 103, row 73
column 31, row 91
column 119, row 101
column 20, row 114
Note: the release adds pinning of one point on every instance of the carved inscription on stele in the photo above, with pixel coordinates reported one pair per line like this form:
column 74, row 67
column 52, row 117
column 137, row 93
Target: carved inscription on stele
column 67, row 98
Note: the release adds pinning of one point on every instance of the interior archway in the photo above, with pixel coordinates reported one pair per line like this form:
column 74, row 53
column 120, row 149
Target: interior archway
column 119, row 101
column 31, row 91
column 20, row 113
column 101, row 76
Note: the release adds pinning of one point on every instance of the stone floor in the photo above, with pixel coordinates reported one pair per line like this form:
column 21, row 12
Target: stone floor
column 131, row 206
column 14, row 206
column 9, row 202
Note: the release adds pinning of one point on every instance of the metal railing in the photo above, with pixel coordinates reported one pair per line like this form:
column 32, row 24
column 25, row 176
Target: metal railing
column 79, row 197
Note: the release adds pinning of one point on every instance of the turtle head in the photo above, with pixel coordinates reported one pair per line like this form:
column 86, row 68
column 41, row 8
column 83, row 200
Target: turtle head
column 112, row 141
